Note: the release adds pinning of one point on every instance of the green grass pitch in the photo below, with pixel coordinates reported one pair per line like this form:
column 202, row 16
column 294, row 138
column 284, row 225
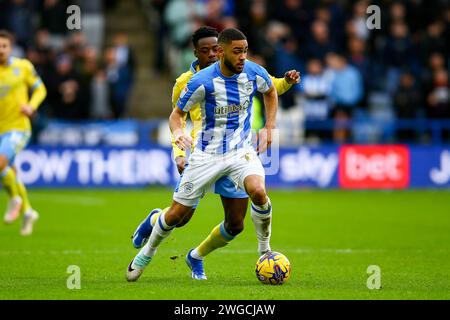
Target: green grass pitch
column 330, row 237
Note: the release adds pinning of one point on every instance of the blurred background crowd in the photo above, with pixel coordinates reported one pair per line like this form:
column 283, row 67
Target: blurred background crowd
column 353, row 78
column 84, row 78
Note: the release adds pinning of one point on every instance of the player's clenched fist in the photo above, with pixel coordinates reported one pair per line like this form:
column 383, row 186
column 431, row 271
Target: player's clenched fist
column 27, row 110
column 292, row 77
column 264, row 139
column 182, row 140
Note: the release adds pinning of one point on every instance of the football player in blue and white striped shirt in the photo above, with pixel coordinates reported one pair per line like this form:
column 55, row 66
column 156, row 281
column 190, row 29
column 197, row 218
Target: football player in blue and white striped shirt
column 225, row 92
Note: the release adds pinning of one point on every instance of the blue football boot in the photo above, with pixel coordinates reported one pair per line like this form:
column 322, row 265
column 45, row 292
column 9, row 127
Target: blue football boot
column 144, row 230
column 196, row 266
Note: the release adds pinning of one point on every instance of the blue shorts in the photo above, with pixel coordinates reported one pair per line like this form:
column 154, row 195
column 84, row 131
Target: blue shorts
column 12, row 142
column 225, row 187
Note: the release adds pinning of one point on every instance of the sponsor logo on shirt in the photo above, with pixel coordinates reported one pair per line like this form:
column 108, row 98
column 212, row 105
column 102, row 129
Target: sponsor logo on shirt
column 232, row 108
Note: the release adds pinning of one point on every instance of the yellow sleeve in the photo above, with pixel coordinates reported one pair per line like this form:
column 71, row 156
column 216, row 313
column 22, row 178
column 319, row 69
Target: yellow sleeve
column 177, row 152
column 281, row 85
column 35, row 84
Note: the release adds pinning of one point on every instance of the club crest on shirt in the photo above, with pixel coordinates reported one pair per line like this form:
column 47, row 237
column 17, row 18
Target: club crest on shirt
column 248, row 86
column 188, row 187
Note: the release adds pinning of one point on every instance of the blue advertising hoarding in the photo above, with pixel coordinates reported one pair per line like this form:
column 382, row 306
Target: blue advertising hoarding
column 430, row 167
column 303, row 167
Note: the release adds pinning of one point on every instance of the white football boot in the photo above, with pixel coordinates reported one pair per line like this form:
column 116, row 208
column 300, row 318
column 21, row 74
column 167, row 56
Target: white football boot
column 13, row 211
column 137, row 267
column 29, row 219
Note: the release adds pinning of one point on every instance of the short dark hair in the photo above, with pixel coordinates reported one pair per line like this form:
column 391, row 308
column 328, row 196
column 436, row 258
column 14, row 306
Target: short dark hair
column 6, row 34
column 231, row 34
column 203, row 32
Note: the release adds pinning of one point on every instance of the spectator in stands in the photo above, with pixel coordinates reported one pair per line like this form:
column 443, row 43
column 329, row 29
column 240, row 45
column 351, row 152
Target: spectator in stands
column 286, row 58
column 438, row 98
column 294, row 14
column 75, row 45
column 356, row 27
column 53, row 18
column 42, row 55
column 4, row 13
column 67, row 97
column 399, row 53
column 331, row 14
column 119, row 81
column 159, row 63
column 215, row 13
column 337, row 17
column 320, row 42
column 436, row 61
column 124, row 54
column 397, row 12
column 408, row 102
column 357, row 57
column 255, row 27
column 92, row 21
column 90, row 65
column 100, row 103
column 434, row 40
column 181, row 16
column 315, row 91
column 347, row 90
column 19, row 21
column 17, row 50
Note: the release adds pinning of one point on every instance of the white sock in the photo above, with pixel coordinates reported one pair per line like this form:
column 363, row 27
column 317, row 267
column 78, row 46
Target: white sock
column 160, row 231
column 196, row 255
column 28, row 213
column 262, row 220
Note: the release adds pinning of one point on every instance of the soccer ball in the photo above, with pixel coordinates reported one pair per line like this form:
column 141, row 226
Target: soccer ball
column 273, row 268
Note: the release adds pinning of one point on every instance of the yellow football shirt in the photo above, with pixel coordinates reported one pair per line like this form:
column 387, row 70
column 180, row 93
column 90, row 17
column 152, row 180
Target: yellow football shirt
column 17, row 78
column 195, row 114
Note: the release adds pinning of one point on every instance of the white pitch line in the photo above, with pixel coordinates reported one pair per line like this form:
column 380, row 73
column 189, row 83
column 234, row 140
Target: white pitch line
column 66, row 199
column 307, row 250
column 225, row 251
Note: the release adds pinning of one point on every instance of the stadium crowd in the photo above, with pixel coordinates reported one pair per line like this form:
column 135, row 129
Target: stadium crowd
column 399, row 71
column 84, row 79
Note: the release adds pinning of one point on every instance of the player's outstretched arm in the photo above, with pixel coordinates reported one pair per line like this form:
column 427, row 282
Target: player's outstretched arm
column 290, row 78
column 182, row 140
column 271, row 107
column 37, row 88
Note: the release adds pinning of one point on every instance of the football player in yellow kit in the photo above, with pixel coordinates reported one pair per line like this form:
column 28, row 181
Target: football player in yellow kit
column 17, row 78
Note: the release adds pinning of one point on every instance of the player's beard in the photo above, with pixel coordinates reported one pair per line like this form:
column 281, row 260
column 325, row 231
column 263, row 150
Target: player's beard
column 230, row 66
